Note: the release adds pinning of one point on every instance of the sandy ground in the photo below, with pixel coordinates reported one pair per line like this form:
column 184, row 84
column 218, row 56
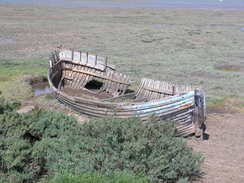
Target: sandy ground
column 224, row 150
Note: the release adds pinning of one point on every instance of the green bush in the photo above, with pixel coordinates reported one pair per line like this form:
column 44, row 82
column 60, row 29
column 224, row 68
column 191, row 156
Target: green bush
column 41, row 144
column 97, row 178
column 7, row 105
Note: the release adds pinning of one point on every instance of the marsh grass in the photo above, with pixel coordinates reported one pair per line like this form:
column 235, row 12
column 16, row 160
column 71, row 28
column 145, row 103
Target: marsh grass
column 226, row 104
column 11, row 73
column 183, row 46
column 12, row 69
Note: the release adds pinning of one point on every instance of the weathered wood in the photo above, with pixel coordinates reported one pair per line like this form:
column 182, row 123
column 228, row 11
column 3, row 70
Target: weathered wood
column 200, row 112
column 93, row 74
column 167, row 101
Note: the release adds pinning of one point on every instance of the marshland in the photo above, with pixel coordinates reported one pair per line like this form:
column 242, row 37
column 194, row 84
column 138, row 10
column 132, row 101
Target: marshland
column 201, row 44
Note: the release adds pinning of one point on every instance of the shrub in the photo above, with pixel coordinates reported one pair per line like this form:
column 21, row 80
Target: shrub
column 40, row 144
column 8, row 105
column 97, row 178
column 148, row 148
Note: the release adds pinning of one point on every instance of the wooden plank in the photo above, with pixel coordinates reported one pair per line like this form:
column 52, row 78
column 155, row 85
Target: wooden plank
column 83, row 58
column 155, row 87
column 161, row 102
column 81, row 78
column 72, row 55
column 147, row 89
column 68, row 54
column 117, row 89
column 138, row 93
column 71, row 74
column 86, row 80
column 100, row 63
column 151, row 86
column 174, row 107
column 83, row 62
column 173, row 90
column 118, row 113
column 77, row 78
column 91, row 61
column 76, row 57
column 142, row 93
column 117, row 76
column 123, row 87
column 61, row 55
column 199, row 113
column 113, row 84
column 67, row 74
column 178, row 105
column 105, row 84
column 109, row 82
column 80, row 56
column 160, row 95
column 99, row 76
column 160, row 113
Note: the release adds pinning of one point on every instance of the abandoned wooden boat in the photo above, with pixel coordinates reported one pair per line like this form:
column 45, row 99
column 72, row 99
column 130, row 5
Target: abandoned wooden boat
column 90, row 85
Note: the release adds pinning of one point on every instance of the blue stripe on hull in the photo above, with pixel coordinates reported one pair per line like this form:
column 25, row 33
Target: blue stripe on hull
column 162, row 102
column 167, row 110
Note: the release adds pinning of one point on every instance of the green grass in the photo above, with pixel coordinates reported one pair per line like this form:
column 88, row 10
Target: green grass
column 15, row 89
column 12, row 69
column 12, row 84
column 226, row 104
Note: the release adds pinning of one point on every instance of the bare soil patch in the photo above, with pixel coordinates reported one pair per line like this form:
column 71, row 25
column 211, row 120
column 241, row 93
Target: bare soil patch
column 26, row 109
column 33, row 79
column 39, row 84
column 230, row 68
column 228, row 105
column 205, row 74
column 3, row 79
column 223, row 151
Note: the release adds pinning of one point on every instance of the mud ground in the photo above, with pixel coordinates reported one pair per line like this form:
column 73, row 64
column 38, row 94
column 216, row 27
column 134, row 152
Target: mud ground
column 223, row 150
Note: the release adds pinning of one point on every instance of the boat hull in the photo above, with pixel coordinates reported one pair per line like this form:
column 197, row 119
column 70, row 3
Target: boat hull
column 186, row 110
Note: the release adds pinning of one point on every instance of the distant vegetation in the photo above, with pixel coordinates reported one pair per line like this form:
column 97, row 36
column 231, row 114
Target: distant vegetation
column 198, row 47
column 39, row 146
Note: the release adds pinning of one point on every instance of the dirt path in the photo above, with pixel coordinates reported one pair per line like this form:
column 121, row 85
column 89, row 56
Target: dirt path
column 224, row 150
